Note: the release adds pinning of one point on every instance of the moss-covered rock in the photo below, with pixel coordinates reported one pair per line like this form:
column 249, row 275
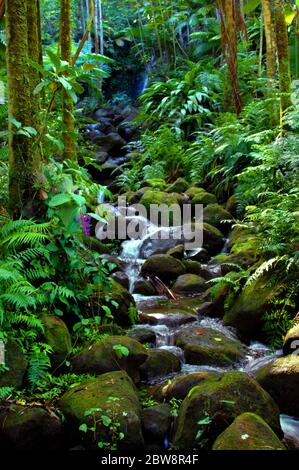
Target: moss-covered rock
column 156, row 422
column 170, row 318
column 29, row 429
column 143, row 335
column 242, row 259
column 209, row 347
column 216, row 215
column 201, row 196
column 96, row 245
column 189, row 284
column 16, row 363
column 156, row 183
column 179, row 387
column 281, row 380
column 102, row 356
column 159, row 362
column 124, row 312
column 217, row 295
column 177, row 252
column 144, row 287
column 246, row 314
column 222, row 399
column 201, row 255
column 248, row 432
column 192, row 267
column 136, row 196
column 291, row 341
column 179, row 186
column 243, row 239
column 122, row 278
column 159, row 197
column 98, row 394
column 232, row 205
column 57, row 335
column 212, row 239
column 164, row 266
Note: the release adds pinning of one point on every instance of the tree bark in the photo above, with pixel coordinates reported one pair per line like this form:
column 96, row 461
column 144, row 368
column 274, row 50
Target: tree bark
column 101, row 26
column 67, row 103
column 2, row 8
column 270, row 41
column 282, row 44
column 96, row 23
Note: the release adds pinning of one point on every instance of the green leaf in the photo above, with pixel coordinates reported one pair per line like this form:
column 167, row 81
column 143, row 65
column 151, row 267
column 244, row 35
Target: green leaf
column 83, row 427
column 15, row 123
column 251, row 5
column 106, row 420
column 205, row 421
column 87, row 67
column 66, row 85
column 39, row 87
column 59, row 200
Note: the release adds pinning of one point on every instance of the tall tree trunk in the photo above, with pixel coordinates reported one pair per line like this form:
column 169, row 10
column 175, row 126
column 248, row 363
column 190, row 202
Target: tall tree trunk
column 67, row 103
column 282, row 44
column 270, row 40
column 100, row 9
column 23, row 162
column 95, row 24
column 82, row 16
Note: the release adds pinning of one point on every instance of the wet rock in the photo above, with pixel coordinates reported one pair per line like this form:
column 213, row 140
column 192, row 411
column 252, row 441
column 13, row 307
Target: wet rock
column 179, row 186
column 29, row 429
column 143, row 335
column 170, row 318
column 193, row 267
column 57, row 335
column 291, row 341
column 242, row 260
column 189, row 284
column 17, row 364
column 212, row 239
column 159, row 363
column 165, row 267
column 101, row 157
column 123, row 306
column 122, row 278
column 144, row 287
column 156, row 422
column 216, row 215
column 201, row 255
column 246, row 314
column 281, row 380
column 200, row 196
column 136, row 196
column 177, row 252
column 221, row 399
column 206, row 309
column 96, row 394
column 209, row 347
column 126, row 131
column 111, row 143
column 181, row 386
column 248, row 432
column 217, row 296
column 102, row 356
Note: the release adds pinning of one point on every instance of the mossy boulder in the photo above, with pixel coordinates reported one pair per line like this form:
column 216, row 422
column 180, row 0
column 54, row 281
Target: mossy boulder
column 180, row 387
column 243, row 239
column 135, row 197
column 164, row 266
column 281, row 380
column 159, row 362
column 193, row 267
column 212, row 239
column 156, row 422
column 123, row 313
column 201, row 255
column 179, row 186
column 242, row 259
column 249, row 308
column 57, row 335
column 222, row 399
column 159, row 197
column 216, row 215
column 96, row 245
column 16, row 363
column 177, row 252
column 156, row 183
column 144, row 287
column 122, row 278
column 209, row 347
column 248, row 432
column 189, row 284
column 98, row 394
column 29, row 429
column 205, row 236
column 291, row 341
column 103, row 356
column 143, row 335
column 201, row 196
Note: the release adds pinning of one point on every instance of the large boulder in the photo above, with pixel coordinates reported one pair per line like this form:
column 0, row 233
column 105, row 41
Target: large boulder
column 143, row 335
column 201, row 196
column 104, row 356
column 189, row 284
column 177, row 252
column 242, row 259
column 29, row 429
column 180, row 387
column 248, row 432
column 216, row 215
column 216, row 402
column 179, row 186
column 111, row 143
column 112, row 395
column 121, row 303
column 143, row 287
column 212, row 239
column 281, row 380
column 57, row 335
column 156, row 422
column 247, row 312
column 122, row 278
column 164, row 266
column 291, row 341
column 209, row 347
column 159, row 362
column 16, row 365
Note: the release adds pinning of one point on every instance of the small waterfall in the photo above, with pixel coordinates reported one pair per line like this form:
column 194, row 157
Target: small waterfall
column 290, row 427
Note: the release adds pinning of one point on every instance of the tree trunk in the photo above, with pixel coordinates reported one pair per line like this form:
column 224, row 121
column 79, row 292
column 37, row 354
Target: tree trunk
column 270, row 41
column 282, row 44
column 23, row 162
column 67, row 103
column 95, row 24
column 2, row 8
column 82, row 16
column 101, row 27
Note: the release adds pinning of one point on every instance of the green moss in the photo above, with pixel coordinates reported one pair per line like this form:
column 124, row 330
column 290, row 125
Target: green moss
column 159, row 197
column 179, row 186
column 58, row 337
column 248, row 432
column 118, row 294
column 165, row 266
column 215, row 215
column 189, row 284
column 16, row 362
